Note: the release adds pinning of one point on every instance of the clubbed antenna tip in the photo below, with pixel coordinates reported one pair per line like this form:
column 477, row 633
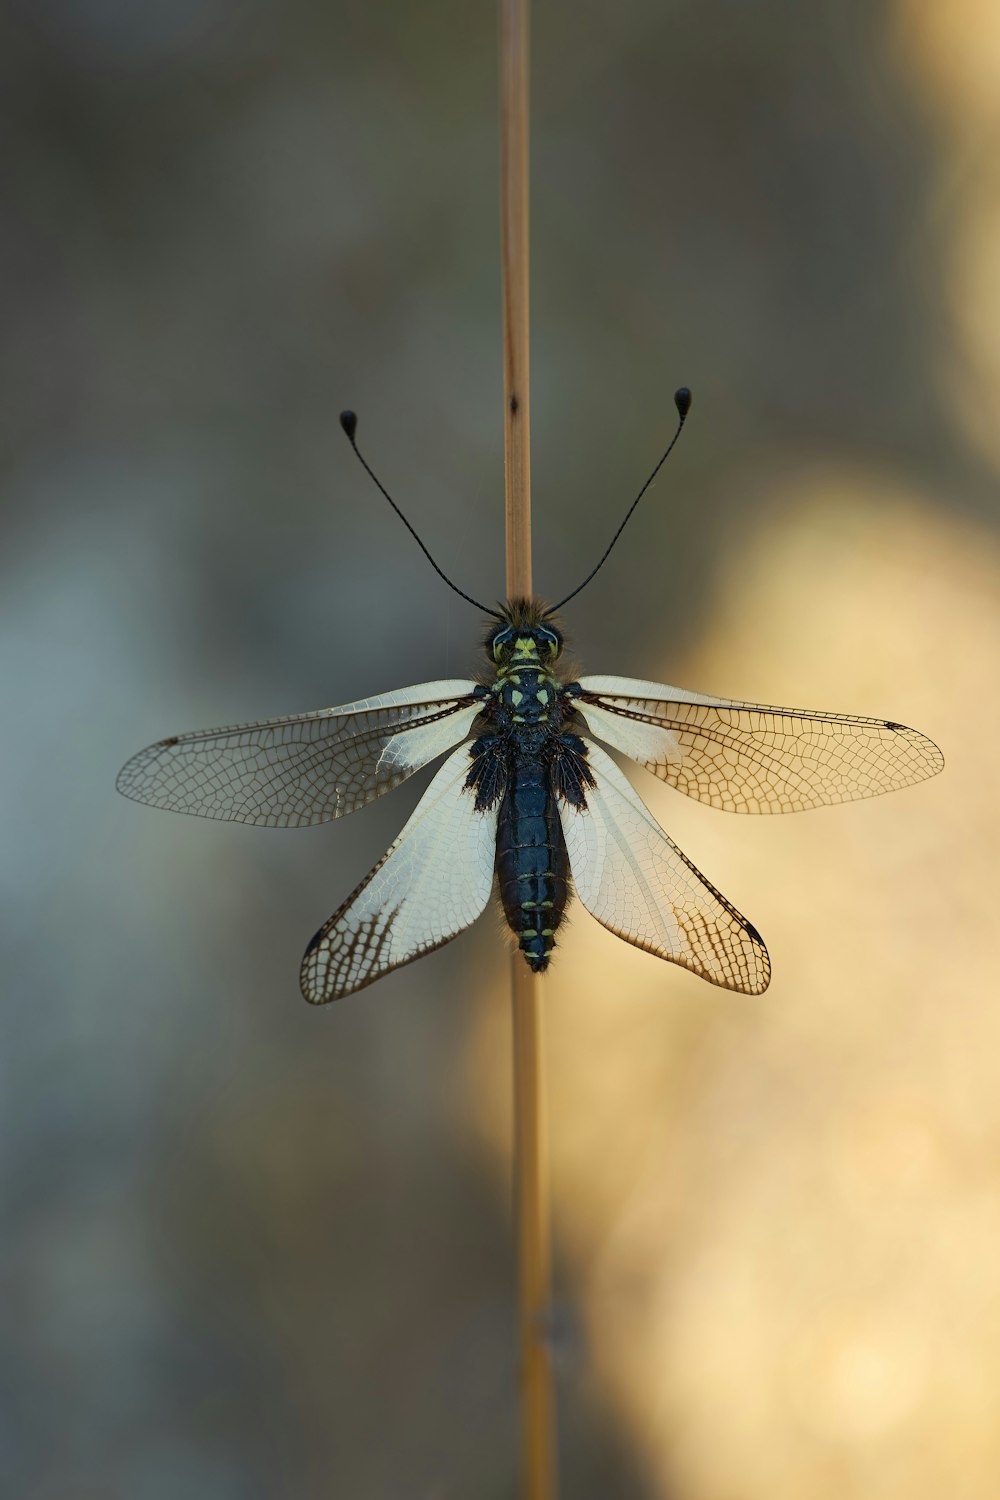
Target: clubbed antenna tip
column 349, row 422
column 682, row 401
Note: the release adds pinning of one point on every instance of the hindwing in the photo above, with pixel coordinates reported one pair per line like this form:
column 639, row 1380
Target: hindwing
column 434, row 881
column 636, row 881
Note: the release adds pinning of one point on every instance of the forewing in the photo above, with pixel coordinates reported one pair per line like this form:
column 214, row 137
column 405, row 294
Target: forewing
column 308, row 768
column 434, row 881
column 748, row 757
column 635, row 880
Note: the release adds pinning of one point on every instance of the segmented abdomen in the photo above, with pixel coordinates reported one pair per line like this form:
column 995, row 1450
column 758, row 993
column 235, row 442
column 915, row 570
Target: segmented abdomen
column 532, row 864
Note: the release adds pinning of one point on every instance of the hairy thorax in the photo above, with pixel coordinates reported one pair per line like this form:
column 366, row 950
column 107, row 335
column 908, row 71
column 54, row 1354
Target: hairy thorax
column 527, row 694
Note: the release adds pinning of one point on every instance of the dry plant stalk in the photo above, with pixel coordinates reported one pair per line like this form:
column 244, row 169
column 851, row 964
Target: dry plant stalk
column 530, row 1170
column 514, row 271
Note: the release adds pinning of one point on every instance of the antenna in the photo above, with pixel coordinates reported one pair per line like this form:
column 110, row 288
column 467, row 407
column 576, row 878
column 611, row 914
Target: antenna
column 349, row 422
column 682, row 401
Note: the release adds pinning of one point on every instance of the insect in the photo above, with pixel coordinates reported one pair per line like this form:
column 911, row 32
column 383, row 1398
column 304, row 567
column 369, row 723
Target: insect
column 526, row 795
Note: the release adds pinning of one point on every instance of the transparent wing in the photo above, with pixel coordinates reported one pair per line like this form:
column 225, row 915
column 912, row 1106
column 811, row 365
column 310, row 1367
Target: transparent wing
column 308, row 768
column 634, row 880
column 749, row 758
column 434, row 881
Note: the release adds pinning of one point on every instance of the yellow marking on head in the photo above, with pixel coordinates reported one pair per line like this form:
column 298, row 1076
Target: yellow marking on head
column 525, row 646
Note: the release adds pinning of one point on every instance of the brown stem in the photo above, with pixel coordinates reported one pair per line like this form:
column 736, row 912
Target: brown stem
column 514, row 270
column 538, row 1456
column 530, row 1174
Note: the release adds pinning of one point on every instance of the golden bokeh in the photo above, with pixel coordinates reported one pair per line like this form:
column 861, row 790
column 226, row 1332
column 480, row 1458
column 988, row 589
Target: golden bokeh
column 783, row 1214
column 953, row 52
column 951, row 59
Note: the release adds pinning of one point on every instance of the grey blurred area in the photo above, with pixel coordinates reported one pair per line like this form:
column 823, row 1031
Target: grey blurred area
column 252, row 1249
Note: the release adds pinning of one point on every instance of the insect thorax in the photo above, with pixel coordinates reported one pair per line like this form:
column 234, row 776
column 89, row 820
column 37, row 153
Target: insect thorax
column 524, row 651
column 525, row 692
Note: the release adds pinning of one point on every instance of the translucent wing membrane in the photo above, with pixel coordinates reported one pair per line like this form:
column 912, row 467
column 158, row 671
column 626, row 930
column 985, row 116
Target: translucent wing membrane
column 634, row 880
column 748, row 758
column 434, row 881
column 308, row 768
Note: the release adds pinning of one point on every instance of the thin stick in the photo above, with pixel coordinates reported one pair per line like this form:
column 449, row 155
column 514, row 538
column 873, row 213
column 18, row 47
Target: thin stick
column 514, row 269
column 538, row 1458
column 530, row 1175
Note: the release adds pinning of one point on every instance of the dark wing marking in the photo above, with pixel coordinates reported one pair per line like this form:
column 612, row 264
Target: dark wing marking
column 434, row 881
column 751, row 758
column 636, row 881
column 305, row 769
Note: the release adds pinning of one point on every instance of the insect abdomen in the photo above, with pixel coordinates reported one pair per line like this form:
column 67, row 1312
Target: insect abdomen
column 532, row 863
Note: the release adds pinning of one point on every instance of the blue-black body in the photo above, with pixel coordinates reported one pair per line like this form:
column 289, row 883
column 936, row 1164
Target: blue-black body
column 526, row 753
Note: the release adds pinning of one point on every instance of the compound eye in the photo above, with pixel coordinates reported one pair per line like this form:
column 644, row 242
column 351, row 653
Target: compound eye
column 552, row 642
column 501, row 639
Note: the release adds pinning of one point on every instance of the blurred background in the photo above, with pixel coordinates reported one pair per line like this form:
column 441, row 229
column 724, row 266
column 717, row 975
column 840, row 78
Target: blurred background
column 254, row 1249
